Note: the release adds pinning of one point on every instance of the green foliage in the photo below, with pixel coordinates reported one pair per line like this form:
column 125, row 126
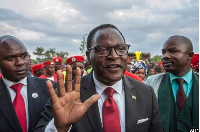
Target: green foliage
column 43, row 55
column 156, row 58
column 34, row 61
column 82, row 47
column 62, row 54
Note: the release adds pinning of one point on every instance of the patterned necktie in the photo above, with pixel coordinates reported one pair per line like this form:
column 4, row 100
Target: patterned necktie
column 19, row 106
column 180, row 96
column 111, row 119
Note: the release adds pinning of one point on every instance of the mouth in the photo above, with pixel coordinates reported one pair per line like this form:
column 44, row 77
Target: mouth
column 20, row 72
column 167, row 63
column 114, row 67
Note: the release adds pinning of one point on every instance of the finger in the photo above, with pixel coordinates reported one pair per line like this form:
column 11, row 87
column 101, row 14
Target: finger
column 53, row 95
column 68, row 79
column 77, row 81
column 89, row 102
column 61, row 88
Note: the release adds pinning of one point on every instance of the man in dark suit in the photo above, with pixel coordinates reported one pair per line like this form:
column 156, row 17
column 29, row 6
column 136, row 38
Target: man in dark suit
column 124, row 104
column 14, row 64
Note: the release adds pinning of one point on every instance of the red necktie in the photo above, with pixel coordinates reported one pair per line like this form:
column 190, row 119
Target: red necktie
column 19, row 106
column 180, row 96
column 111, row 120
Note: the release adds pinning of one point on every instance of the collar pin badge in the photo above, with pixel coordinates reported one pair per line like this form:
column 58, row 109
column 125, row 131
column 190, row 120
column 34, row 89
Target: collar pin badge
column 133, row 97
column 34, row 95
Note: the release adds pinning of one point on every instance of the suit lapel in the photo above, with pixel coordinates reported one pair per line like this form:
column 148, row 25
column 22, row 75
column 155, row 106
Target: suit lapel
column 33, row 102
column 165, row 95
column 130, row 105
column 195, row 99
column 87, row 90
column 7, row 108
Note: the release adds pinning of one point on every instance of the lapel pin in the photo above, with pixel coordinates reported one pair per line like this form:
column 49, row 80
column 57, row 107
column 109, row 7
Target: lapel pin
column 133, row 97
column 34, row 95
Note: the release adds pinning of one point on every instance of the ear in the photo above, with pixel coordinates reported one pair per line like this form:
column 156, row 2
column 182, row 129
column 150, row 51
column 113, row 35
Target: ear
column 190, row 55
column 88, row 55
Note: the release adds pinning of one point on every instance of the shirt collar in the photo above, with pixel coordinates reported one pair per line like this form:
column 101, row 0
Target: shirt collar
column 10, row 83
column 187, row 77
column 101, row 87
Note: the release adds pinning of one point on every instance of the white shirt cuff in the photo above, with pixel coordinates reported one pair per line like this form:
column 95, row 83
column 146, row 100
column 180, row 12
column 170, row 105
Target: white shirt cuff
column 52, row 128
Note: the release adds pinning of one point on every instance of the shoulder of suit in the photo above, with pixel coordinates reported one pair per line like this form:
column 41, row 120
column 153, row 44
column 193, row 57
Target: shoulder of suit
column 155, row 77
column 134, row 82
column 41, row 80
column 196, row 74
column 38, row 79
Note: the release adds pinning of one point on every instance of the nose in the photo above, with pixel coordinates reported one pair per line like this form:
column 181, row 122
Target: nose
column 166, row 55
column 113, row 54
column 19, row 61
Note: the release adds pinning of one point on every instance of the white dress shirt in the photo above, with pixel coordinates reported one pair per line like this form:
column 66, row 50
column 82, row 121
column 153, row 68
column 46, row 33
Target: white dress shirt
column 118, row 96
column 51, row 78
column 23, row 92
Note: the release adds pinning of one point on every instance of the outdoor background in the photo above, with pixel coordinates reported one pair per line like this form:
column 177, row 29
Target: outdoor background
column 61, row 24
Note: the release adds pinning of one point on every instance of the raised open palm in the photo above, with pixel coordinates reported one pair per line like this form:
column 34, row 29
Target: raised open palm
column 67, row 107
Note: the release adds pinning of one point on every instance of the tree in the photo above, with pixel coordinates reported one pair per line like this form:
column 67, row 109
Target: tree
column 156, row 58
column 39, row 51
column 82, row 47
column 62, row 54
column 48, row 54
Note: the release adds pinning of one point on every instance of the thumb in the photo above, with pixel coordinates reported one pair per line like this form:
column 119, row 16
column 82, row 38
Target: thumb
column 89, row 102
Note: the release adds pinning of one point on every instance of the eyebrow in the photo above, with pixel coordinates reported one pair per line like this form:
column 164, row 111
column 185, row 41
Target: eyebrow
column 11, row 55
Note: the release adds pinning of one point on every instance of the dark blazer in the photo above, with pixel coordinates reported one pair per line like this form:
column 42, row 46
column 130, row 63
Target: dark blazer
column 143, row 107
column 8, row 118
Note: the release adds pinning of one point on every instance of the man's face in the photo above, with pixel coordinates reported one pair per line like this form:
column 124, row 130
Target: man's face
column 110, row 69
column 50, row 69
column 57, row 66
column 39, row 72
column 175, row 56
column 74, row 66
column 14, row 60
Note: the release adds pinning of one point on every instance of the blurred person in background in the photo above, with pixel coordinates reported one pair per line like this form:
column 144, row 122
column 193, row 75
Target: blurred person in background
column 157, row 69
column 140, row 69
column 74, row 62
column 58, row 62
column 151, row 71
column 88, row 67
column 30, row 65
column 49, row 71
column 195, row 63
column 37, row 70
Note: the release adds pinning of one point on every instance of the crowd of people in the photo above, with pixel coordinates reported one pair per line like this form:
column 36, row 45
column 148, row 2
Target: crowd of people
column 138, row 69
column 103, row 92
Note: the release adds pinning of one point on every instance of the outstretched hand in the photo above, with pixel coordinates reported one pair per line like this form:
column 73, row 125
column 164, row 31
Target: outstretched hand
column 66, row 106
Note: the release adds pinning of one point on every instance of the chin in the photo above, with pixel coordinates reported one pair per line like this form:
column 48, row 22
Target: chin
column 114, row 78
column 170, row 70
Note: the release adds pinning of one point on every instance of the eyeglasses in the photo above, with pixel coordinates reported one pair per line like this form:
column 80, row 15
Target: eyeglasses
column 120, row 50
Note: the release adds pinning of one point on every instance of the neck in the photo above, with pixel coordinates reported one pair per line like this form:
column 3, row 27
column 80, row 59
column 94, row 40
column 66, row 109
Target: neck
column 48, row 75
column 182, row 73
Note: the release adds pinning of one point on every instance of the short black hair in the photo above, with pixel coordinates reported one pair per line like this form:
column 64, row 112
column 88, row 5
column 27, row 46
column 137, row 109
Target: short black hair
column 186, row 40
column 103, row 26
